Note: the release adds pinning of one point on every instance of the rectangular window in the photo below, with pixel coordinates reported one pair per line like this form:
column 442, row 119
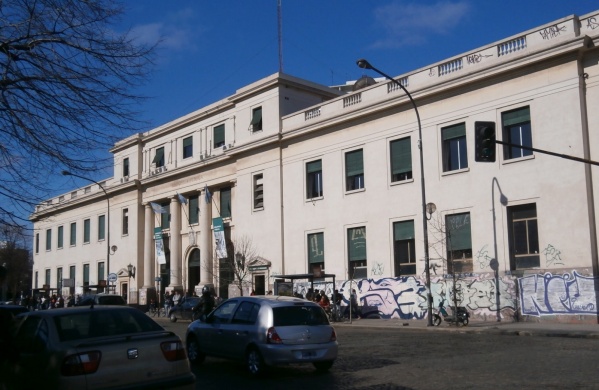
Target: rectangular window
column 73, row 234
column 256, row 119
column 354, row 170
column 194, row 209
column 258, row 191
column 60, row 241
column 126, row 167
column 165, row 218
column 86, row 231
column 455, row 153
column 187, row 147
column 356, row 250
column 401, row 159
column 459, row 243
column 37, row 243
column 314, row 179
column 225, row 202
column 125, row 222
column 48, row 275
column 159, row 157
column 101, row 275
column 315, row 251
column 219, row 136
column 404, row 248
column 72, row 272
column 517, row 130
column 86, row 274
column 48, row 239
column 523, row 236
column 101, row 227
column 59, row 280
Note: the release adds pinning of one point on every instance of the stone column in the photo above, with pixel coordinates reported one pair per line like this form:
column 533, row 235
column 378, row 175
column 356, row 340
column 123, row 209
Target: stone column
column 205, row 243
column 148, row 247
column 175, row 228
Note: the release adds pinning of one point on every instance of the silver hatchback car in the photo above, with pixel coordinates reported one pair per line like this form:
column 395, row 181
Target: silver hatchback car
column 264, row 331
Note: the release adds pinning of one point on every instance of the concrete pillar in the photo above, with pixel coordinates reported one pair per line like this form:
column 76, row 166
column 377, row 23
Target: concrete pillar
column 205, row 244
column 175, row 244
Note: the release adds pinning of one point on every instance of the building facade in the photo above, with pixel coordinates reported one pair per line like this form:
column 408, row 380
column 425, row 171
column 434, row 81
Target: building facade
column 321, row 180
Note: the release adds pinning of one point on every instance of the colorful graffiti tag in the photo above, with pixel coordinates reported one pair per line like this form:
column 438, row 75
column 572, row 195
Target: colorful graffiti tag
column 550, row 294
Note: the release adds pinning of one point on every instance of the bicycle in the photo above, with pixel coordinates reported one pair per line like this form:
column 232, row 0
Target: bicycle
column 153, row 311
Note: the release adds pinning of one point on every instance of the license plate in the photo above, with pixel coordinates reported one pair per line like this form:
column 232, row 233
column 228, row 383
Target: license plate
column 308, row 354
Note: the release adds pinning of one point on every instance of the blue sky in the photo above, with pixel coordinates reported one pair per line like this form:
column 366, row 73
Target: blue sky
column 211, row 48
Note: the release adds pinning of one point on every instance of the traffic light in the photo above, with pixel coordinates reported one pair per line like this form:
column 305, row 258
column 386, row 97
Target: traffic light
column 484, row 141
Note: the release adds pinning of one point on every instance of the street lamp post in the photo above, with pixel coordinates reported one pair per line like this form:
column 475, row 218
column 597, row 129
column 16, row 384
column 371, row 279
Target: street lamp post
column 362, row 63
column 130, row 272
column 67, row 173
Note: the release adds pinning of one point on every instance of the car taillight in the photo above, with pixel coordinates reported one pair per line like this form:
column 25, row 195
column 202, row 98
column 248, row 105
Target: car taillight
column 333, row 335
column 173, row 350
column 272, row 337
column 81, row 363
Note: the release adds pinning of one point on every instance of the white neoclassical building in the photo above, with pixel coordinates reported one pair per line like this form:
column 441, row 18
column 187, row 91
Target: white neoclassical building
column 322, row 179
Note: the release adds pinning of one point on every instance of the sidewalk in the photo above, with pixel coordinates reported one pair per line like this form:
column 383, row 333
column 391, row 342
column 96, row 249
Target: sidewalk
column 546, row 329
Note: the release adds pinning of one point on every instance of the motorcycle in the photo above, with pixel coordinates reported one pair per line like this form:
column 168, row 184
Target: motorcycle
column 462, row 317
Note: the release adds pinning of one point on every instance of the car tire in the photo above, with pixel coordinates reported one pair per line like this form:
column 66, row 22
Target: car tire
column 254, row 362
column 195, row 356
column 465, row 321
column 173, row 317
column 436, row 320
column 323, row 366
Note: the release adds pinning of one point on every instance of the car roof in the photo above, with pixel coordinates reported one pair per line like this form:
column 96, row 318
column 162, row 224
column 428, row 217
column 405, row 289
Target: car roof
column 71, row 310
column 275, row 300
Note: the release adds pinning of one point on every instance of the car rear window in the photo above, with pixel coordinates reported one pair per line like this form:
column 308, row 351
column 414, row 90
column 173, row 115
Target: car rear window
column 299, row 315
column 111, row 300
column 101, row 323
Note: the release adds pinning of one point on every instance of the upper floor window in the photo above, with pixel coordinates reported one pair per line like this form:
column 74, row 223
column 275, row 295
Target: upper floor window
column 459, row 243
column 126, row 167
column 86, row 231
column 59, row 278
column 517, row 130
column 73, row 234
column 187, row 147
column 523, row 236
column 219, row 136
column 354, row 170
column 314, row 179
column 125, row 222
column 356, row 251
column 404, row 251
column 48, row 239
column 86, row 274
column 455, row 152
column 48, row 275
column 258, row 191
column 37, row 243
column 256, row 119
column 101, row 227
column 194, row 209
column 315, row 252
column 60, row 241
column 225, row 202
column 165, row 216
column 159, row 157
column 101, row 269
column 401, row 159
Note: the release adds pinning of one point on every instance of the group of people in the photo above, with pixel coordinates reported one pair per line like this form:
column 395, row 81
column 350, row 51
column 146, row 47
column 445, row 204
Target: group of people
column 45, row 302
column 323, row 300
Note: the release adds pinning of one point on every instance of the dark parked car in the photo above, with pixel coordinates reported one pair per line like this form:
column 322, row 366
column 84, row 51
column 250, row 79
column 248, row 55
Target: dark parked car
column 95, row 347
column 183, row 311
column 101, row 299
column 264, row 331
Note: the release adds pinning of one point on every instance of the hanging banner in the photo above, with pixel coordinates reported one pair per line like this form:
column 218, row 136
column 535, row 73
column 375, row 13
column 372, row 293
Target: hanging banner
column 219, row 238
column 159, row 246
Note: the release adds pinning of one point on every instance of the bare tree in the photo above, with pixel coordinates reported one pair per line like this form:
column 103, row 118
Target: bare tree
column 66, row 85
column 15, row 263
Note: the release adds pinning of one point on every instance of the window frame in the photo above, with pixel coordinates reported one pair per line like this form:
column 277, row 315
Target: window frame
column 48, row 239
column 73, row 234
column 87, row 227
column 225, row 202
column 125, row 220
column 60, row 237
column 404, row 235
column 354, row 171
column 518, row 118
column 315, row 250
column 354, row 257
column 256, row 123
column 399, row 159
column 187, row 147
column 527, row 208
column 452, row 145
column 126, row 167
column 461, row 226
column 194, row 209
column 258, row 191
column 158, row 159
column 218, row 132
column 314, row 179
column 101, row 227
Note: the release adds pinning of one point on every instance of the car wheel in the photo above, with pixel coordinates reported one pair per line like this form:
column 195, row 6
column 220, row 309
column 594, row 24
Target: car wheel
column 465, row 321
column 254, row 362
column 173, row 317
column 436, row 320
column 194, row 354
column 323, row 366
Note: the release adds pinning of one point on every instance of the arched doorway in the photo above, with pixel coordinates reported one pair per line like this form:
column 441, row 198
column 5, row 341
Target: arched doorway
column 193, row 270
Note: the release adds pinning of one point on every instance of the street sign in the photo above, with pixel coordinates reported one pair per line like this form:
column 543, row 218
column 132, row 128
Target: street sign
column 112, row 277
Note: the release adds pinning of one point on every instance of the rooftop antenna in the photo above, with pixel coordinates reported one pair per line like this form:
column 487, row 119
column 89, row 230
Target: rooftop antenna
column 280, row 23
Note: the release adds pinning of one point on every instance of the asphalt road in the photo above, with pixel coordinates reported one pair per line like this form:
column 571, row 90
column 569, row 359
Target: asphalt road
column 415, row 359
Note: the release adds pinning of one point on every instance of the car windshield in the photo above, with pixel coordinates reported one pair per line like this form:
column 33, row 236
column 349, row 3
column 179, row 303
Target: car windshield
column 111, row 300
column 100, row 323
column 299, row 315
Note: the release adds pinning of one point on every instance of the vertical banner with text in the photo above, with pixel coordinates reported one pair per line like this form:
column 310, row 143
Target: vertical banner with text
column 219, row 237
column 159, row 246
